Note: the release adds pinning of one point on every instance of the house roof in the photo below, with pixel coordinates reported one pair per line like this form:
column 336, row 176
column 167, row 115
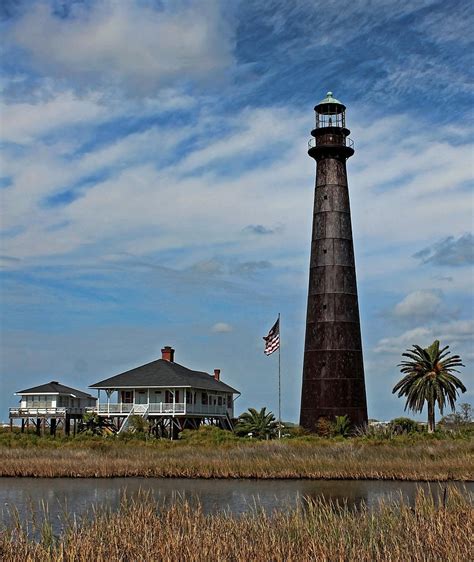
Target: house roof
column 162, row 373
column 55, row 387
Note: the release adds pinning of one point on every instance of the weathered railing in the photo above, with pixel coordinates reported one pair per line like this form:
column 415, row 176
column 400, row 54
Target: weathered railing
column 348, row 142
column 33, row 412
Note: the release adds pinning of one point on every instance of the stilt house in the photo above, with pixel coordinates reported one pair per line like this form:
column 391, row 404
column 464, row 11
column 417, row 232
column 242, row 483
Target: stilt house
column 170, row 396
column 51, row 405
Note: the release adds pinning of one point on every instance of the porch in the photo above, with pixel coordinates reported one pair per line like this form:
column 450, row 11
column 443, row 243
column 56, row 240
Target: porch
column 47, row 412
column 160, row 409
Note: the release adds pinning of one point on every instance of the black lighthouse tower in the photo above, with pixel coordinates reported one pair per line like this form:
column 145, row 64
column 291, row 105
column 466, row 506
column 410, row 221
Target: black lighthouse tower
column 333, row 368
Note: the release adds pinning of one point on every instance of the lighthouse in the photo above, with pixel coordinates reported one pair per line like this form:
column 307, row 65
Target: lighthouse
column 333, row 368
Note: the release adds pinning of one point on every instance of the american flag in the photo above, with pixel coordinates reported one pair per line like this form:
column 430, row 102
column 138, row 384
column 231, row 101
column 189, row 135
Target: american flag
column 272, row 341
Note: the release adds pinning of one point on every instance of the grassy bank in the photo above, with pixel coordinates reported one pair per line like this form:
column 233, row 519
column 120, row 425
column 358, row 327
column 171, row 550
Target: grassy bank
column 319, row 531
column 217, row 456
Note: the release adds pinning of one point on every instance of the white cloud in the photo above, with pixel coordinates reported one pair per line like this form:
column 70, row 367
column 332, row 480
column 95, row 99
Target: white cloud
column 418, row 303
column 22, row 122
column 221, row 328
column 51, row 110
column 136, row 208
column 129, row 44
column 454, row 333
column 157, row 199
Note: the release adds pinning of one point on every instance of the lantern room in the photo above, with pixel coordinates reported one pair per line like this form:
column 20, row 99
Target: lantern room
column 330, row 112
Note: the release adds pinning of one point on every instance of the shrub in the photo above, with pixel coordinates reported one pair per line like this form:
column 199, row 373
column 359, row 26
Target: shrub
column 404, row 425
column 342, row 426
column 325, row 427
column 138, row 424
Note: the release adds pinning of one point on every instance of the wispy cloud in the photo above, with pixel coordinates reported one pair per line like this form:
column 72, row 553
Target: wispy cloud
column 449, row 251
column 221, row 328
column 418, row 304
column 131, row 45
column 454, row 333
column 261, row 230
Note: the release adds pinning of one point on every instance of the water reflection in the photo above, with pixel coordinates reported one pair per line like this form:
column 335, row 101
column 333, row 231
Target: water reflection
column 77, row 497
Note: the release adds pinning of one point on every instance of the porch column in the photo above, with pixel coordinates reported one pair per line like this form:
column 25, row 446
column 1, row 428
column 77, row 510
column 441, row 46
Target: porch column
column 174, row 400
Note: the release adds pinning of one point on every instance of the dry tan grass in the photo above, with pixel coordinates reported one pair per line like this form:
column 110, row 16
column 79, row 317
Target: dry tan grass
column 353, row 459
column 141, row 531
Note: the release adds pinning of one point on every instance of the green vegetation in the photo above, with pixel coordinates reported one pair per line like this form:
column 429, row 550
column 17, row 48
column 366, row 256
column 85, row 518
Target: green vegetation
column 258, row 425
column 210, row 452
column 320, row 530
column 459, row 420
column 404, row 425
column 429, row 377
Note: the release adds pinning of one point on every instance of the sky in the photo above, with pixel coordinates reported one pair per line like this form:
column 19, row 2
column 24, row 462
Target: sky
column 156, row 189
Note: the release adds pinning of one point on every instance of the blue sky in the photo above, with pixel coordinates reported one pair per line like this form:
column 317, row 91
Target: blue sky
column 156, row 190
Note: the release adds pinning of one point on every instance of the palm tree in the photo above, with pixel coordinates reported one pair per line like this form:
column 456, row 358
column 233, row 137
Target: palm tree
column 260, row 424
column 429, row 377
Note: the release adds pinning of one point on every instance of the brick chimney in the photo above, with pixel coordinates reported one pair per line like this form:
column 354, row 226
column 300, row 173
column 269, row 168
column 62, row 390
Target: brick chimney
column 167, row 353
column 217, row 374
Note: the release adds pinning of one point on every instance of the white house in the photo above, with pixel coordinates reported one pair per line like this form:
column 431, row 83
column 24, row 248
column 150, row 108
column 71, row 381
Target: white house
column 51, row 404
column 171, row 396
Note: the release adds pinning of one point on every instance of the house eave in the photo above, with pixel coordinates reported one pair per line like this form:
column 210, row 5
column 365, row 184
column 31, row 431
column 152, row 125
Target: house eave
column 97, row 387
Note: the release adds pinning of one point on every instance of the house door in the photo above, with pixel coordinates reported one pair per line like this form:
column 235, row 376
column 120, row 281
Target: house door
column 169, row 396
column 141, row 397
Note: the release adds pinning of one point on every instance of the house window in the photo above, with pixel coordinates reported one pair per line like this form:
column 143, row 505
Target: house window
column 127, row 396
column 204, row 398
column 219, row 400
column 189, row 397
column 229, row 400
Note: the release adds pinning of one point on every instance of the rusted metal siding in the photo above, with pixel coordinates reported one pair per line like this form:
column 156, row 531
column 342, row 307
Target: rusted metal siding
column 333, row 369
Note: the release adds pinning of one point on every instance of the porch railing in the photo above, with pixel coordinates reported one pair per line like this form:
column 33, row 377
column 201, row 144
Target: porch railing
column 163, row 408
column 32, row 412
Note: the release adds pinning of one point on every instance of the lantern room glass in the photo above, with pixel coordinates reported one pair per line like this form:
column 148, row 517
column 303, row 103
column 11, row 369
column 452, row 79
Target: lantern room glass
column 330, row 115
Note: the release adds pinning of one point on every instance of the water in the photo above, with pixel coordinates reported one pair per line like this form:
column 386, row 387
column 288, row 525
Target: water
column 78, row 497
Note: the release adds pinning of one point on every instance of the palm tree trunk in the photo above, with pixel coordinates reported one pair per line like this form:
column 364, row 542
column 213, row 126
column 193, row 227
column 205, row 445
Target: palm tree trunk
column 431, row 417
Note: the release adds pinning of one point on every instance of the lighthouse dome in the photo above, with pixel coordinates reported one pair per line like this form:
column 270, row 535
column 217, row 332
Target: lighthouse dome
column 330, row 99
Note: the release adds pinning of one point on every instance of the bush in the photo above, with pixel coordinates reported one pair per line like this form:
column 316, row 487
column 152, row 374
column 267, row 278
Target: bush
column 342, row 426
column 138, row 424
column 325, row 427
column 404, row 425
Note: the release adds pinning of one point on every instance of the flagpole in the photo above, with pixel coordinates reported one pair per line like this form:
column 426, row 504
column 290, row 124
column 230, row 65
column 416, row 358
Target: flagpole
column 279, row 381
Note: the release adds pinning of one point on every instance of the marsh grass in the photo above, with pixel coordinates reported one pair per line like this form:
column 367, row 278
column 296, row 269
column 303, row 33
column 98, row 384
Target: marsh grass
column 403, row 458
column 142, row 530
